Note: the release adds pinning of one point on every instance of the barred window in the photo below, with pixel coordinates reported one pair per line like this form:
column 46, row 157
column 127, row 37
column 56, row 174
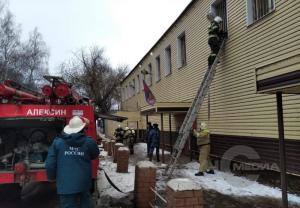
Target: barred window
column 138, row 84
column 181, row 50
column 158, row 71
column 168, row 61
column 257, row 9
column 150, row 74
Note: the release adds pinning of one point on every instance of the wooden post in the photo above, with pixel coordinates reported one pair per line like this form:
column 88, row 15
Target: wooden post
column 162, row 136
column 170, row 132
column 282, row 149
column 138, row 131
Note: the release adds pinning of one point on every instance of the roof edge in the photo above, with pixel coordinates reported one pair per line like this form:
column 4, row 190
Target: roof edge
column 187, row 8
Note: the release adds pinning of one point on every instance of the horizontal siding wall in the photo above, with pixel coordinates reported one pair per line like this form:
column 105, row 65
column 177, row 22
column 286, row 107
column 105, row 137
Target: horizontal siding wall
column 235, row 107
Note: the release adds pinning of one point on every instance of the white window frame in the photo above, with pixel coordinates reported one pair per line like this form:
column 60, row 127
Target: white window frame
column 158, row 68
column 250, row 15
column 181, row 61
column 168, row 60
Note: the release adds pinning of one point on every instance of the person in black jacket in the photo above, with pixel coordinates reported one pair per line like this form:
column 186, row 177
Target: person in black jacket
column 147, row 139
column 154, row 136
column 69, row 162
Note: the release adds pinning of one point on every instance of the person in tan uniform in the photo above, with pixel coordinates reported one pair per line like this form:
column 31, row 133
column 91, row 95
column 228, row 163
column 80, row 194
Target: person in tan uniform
column 203, row 142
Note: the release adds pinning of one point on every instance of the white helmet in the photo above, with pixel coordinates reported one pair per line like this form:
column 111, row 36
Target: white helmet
column 126, row 128
column 218, row 19
column 203, row 125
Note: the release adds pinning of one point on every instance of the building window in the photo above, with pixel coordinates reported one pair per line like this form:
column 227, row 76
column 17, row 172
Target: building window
column 126, row 93
column 138, row 84
column 132, row 87
column 181, row 50
column 150, row 74
column 123, row 94
column 219, row 8
column 158, row 70
column 168, row 65
column 142, row 77
column 257, row 9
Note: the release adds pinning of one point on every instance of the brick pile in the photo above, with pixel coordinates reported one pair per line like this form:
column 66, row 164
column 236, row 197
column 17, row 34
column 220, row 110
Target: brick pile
column 122, row 160
column 115, row 151
column 145, row 178
column 183, row 193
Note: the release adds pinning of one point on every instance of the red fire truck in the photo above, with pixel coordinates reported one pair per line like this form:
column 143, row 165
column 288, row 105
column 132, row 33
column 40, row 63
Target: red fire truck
column 29, row 121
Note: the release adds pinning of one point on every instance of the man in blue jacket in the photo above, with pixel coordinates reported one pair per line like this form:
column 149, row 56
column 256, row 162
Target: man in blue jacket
column 154, row 136
column 69, row 163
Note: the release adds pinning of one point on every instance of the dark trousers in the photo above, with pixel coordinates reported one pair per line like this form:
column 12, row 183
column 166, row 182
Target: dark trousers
column 79, row 200
column 148, row 148
column 151, row 152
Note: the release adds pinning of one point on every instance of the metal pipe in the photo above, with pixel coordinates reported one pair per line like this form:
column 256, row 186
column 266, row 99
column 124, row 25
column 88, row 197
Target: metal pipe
column 9, row 92
column 282, row 149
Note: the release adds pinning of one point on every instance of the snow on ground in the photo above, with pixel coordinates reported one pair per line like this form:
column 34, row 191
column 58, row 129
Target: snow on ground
column 124, row 181
column 224, row 183
column 228, row 184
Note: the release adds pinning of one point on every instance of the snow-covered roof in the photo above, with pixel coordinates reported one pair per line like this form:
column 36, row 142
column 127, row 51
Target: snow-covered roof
column 183, row 184
column 119, row 144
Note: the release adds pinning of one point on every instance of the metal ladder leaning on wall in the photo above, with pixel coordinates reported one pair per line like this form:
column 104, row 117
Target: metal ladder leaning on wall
column 192, row 113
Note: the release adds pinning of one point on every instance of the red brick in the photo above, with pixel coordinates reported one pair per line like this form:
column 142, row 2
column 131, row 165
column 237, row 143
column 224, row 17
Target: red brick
column 183, row 194
column 191, row 201
column 200, row 200
column 198, row 193
column 179, row 202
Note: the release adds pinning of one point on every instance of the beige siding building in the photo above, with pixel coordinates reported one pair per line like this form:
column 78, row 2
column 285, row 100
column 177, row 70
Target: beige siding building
column 263, row 42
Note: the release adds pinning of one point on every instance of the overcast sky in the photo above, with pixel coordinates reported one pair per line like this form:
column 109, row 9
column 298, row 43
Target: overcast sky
column 126, row 29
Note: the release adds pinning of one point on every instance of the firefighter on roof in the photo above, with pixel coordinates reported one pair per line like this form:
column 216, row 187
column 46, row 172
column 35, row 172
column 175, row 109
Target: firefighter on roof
column 203, row 142
column 215, row 36
column 69, row 162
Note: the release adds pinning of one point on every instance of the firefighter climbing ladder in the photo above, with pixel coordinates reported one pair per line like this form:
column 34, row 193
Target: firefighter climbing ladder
column 192, row 114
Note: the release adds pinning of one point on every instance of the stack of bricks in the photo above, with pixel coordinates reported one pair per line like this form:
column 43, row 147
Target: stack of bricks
column 145, row 178
column 122, row 160
column 183, row 193
column 115, row 151
column 110, row 147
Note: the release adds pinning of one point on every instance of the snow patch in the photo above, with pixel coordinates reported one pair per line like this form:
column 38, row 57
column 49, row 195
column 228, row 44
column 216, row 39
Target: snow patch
column 183, row 184
column 103, row 153
column 146, row 164
column 123, row 149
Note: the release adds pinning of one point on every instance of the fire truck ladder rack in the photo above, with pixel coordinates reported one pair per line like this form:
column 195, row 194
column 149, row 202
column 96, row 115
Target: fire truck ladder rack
column 192, row 114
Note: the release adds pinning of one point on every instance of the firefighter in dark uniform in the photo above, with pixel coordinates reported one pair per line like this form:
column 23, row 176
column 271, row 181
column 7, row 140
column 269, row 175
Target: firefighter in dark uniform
column 69, row 162
column 129, row 137
column 119, row 134
column 215, row 37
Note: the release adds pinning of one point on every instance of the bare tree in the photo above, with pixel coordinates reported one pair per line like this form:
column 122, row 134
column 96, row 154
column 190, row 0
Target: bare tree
column 9, row 45
column 34, row 58
column 24, row 62
column 92, row 74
